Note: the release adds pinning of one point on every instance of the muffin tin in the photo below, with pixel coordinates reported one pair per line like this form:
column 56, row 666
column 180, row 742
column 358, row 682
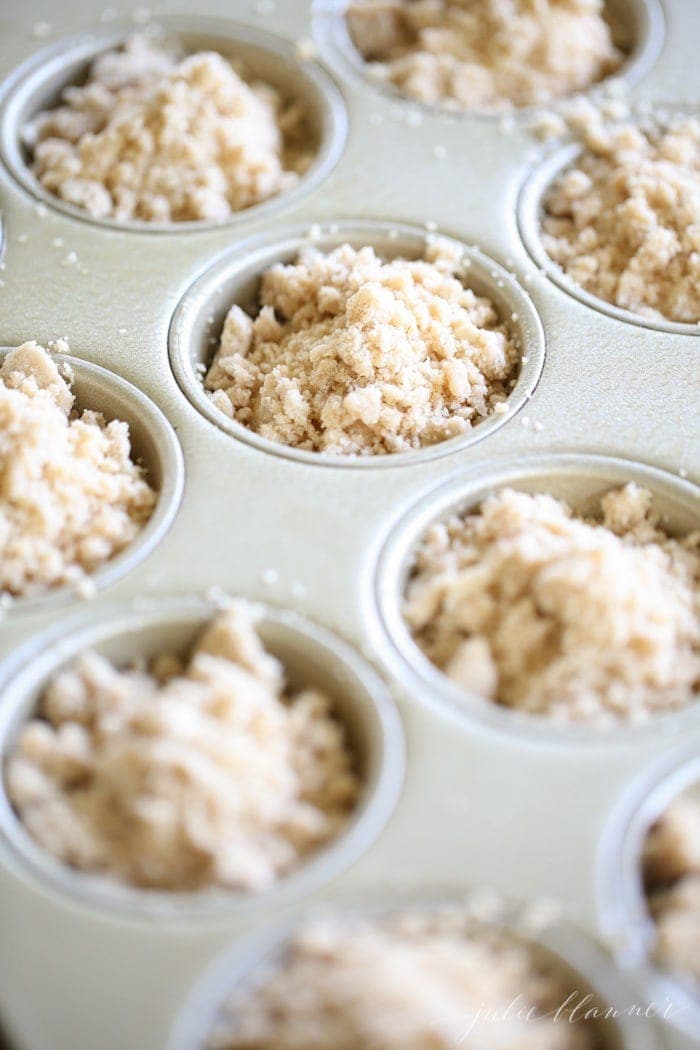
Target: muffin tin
column 487, row 800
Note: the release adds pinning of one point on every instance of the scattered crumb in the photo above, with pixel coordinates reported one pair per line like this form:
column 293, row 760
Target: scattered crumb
column 549, row 125
column 490, row 55
column 86, row 588
column 540, row 915
column 192, row 774
column 624, row 221
column 406, row 981
column 22, row 238
column 306, row 49
column 527, row 605
column 353, row 355
column 269, row 577
column 41, row 29
column 158, row 138
column 671, row 870
column 485, row 904
column 70, row 495
column 218, row 597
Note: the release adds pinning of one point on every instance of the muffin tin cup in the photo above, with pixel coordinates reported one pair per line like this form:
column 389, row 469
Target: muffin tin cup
column 235, row 278
column 578, row 479
column 624, row 916
column 38, row 83
column 639, row 24
column 242, row 965
column 530, row 210
column 311, row 655
column 153, row 445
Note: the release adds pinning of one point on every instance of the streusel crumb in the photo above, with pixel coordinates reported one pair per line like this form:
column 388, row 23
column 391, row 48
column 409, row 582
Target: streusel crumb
column 624, row 221
column 160, row 138
column 71, row 496
column 209, row 773
column 354, row 355
column 405, row 982
column 531, row 607
column 485, row 54
column 671, row 869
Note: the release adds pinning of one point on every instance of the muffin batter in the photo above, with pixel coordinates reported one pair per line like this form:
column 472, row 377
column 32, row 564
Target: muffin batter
column 525, row 604
column 484, row 54
column 159, row 138
column 71, row 497
column 352, row 355
column 210, row 774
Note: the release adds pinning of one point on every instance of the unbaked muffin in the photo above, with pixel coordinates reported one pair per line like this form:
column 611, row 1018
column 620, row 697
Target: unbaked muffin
column 624, row 221
column 186, row 775
column 527, row 605
column 407, row 982
column 485, row 54
column 671, row 872
column 71, row 495
column 161, row 138
column 350, row 354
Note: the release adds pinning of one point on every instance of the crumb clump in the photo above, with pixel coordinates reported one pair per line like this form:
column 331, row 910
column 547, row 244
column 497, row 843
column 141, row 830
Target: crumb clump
column 71, row 497
column 531, row 607
column 184, row 776
column 353, row 355
column 624, row 221
column 488, row 54
column 159, row 138
column 671, row 871
column 406, row 982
